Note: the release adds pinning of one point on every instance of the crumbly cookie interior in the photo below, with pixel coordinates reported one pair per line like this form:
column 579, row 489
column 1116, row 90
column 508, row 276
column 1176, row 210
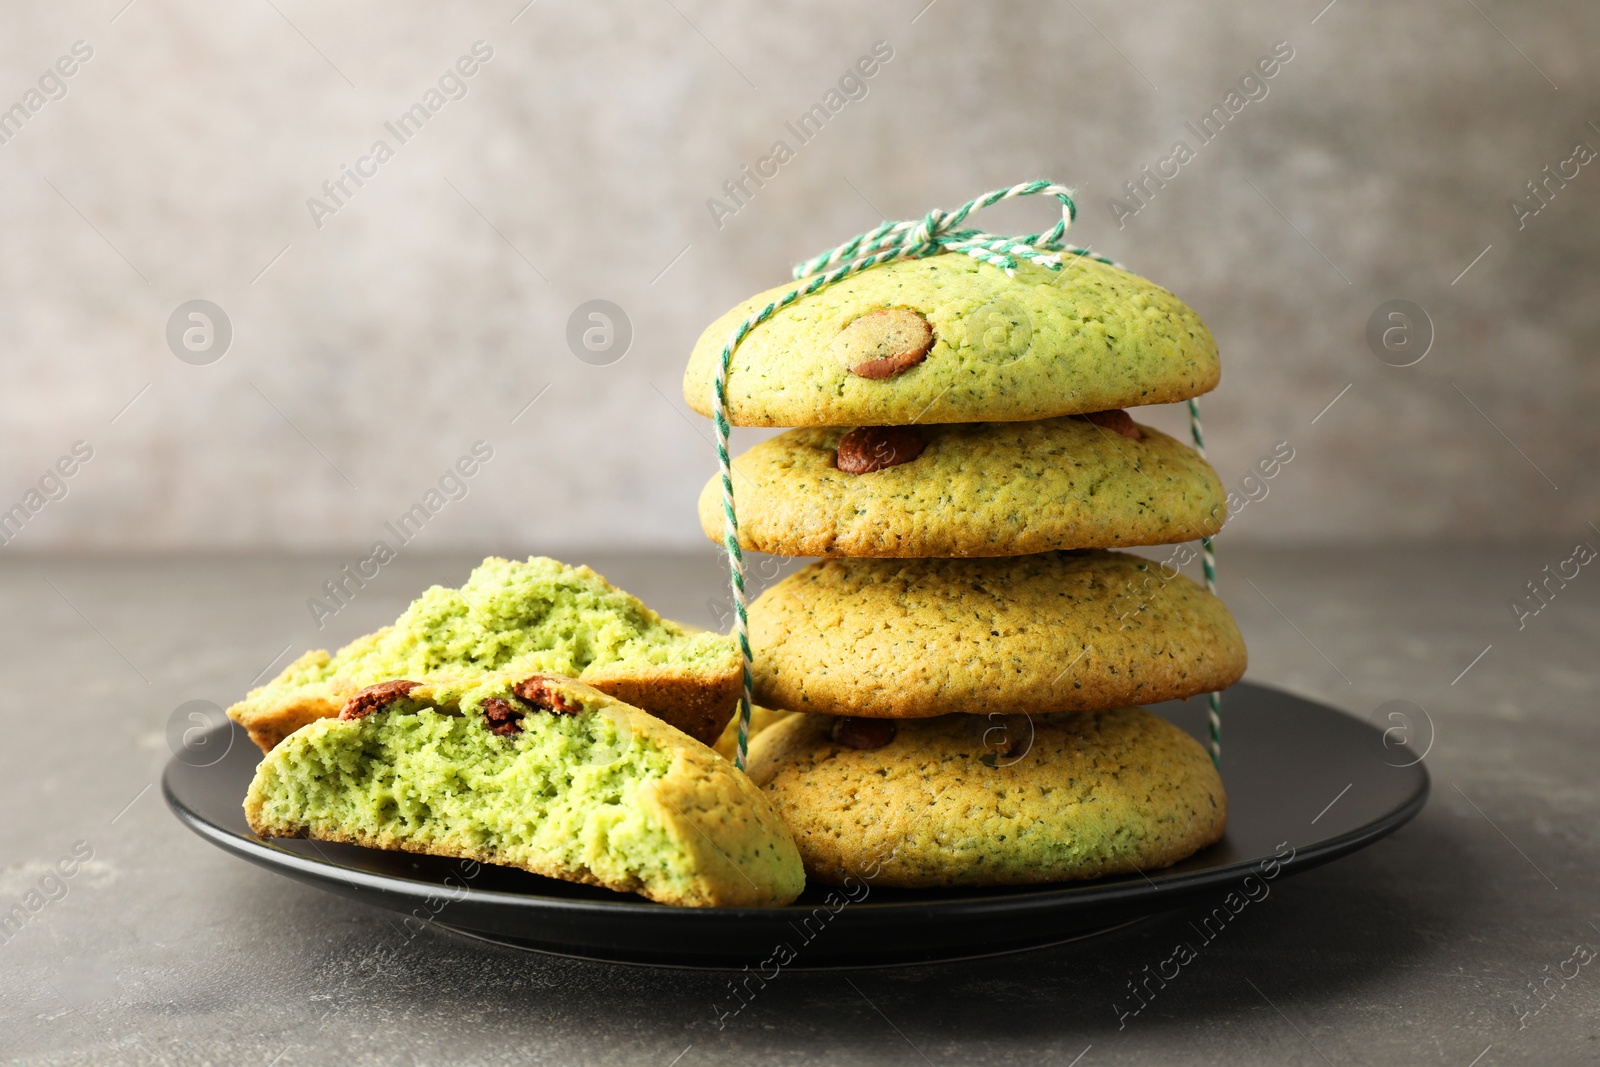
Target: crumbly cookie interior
column 564, row 790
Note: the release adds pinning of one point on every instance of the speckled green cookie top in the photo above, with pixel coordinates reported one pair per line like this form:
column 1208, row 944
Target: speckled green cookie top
column 976, row 489
column 1058, row 631
column 973, row 800
column 536, row 772
column 1038, row 344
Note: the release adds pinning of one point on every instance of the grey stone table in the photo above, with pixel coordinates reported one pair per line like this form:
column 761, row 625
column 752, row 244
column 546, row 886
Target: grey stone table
column 1425, row 948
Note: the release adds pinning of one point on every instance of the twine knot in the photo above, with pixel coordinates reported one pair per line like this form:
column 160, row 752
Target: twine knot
column 939, row 231
column 931, row 225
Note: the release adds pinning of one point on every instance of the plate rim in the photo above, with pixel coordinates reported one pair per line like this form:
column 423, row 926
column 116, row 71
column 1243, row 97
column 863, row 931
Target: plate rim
column 1156, row 886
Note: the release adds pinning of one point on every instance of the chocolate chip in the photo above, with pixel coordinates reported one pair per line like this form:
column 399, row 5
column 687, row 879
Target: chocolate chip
column 537, row 692
column 1116, row 420
column 541, row 693
column 503, row 717
column 872, row 448
column 1008, row 740
column 882, row 343
column 376, row 697
column 863, row 733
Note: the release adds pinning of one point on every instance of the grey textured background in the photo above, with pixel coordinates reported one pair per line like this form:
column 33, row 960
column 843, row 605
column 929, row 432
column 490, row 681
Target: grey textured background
column 428, row 312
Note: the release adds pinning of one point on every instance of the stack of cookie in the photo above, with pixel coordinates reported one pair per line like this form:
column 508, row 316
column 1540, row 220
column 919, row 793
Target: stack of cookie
column 969, row 654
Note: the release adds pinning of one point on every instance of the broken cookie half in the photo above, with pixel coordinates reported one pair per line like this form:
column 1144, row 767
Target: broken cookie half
column 536, row 772
column 533, row 616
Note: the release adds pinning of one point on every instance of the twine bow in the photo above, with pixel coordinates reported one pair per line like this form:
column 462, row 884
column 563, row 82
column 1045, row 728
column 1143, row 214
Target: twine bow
column 935, row 233
column 939, row 231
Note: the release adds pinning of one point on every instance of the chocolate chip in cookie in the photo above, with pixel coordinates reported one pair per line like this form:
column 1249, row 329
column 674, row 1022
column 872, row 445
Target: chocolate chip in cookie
column 863, row 733
column 541, row 694
column 1116, row 420
column 375, row 698
column 504, row 718
column 872, row 448
column 883, row 343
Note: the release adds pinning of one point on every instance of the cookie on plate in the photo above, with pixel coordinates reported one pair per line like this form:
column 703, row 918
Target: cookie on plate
column 949, row 339
column 535, row 616
column 1060, row 631
column 536, row 772
column 974, row 800
column 968, row 489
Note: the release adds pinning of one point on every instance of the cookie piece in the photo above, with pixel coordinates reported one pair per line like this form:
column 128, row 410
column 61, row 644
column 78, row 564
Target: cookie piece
column 538, row 772
column 971, row 800
column 535, row 616
column 1089, row 337
column 727, row 745
column 976, row 489
column 1061, row 631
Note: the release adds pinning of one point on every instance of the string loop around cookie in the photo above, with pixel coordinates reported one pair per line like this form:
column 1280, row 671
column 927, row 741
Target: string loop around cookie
column 935, row 233
column 1208, row 566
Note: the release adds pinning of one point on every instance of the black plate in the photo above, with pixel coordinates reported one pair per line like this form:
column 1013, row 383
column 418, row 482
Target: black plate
column 1302, row 779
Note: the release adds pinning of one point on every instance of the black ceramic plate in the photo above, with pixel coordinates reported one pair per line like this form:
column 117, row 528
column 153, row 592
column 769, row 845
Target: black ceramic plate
column 1306, row 784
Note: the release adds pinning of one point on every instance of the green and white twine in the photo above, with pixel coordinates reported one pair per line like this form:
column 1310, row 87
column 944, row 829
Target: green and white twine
column 934, row 234
column 1208, row 564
